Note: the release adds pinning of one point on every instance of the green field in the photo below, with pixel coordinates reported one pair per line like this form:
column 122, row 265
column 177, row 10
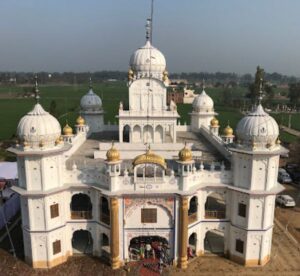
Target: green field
column 68, row 98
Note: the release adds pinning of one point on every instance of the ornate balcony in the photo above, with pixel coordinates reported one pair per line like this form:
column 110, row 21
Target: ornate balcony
column 215, row 214
column 81, row 214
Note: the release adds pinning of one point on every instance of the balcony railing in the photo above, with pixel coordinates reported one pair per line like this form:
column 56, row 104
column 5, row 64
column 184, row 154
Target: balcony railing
column 105, row 218
column 215, row 214
column 192, row 218
column 81, row 214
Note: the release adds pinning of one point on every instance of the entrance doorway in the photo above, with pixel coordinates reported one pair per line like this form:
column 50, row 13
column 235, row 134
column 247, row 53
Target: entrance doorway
column 214, row 242
column 82, row 242
column 149, row 247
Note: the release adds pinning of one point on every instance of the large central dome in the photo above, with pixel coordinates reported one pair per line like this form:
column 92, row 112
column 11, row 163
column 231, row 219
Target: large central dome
column 148, row 59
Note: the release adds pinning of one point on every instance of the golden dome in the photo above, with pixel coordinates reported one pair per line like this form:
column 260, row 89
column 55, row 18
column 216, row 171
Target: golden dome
column 80, row 121
column 185, row 154
column 228, row 131
column 214, row 122
column 150, row 157
column 113, row 155
column 67, row 130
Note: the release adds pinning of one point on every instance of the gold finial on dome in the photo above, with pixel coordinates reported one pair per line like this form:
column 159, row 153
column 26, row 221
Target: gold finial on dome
column 278, row 142
column 67, row 130
column 214, row 122
column 113, row 155
column 130, row 74
column 165, row 75
column 185, row 154
column 80, row 121
column 228, row 131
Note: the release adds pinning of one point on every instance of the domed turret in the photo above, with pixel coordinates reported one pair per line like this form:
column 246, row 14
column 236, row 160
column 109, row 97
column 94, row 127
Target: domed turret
column 185, row 154
column 80, row 121
column 257, row 129
column 38, row 127
column 67, row 130
column 228, row 131
column 214, row 122
column 91, row 102
column 203, row 103
column 113, row 155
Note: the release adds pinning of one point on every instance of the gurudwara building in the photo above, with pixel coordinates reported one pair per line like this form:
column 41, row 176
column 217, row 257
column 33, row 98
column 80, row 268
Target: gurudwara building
column 188, row 187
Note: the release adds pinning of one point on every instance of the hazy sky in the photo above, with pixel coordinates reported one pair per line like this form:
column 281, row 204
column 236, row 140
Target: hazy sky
column 194, row 35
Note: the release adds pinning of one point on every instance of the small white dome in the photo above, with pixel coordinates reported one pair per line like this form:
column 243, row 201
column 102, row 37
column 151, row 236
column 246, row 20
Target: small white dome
column 257, row 129
column 140, row 60
column 38, row 127
column 203, row 103
column 91, row 102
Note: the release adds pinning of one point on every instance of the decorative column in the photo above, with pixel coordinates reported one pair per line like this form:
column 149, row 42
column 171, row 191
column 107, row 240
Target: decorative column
column 114, row 233
column 183, row 232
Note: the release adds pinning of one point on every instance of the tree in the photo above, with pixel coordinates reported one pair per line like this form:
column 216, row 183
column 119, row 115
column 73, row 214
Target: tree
column 52, row 108
column 294, row 93
column 227, row 96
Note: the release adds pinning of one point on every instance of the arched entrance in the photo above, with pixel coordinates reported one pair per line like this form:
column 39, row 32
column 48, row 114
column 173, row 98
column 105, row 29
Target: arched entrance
column 82, row 242
column 147, row 134
column 215, row 206
column 136, row 134
column 126, row 133
column 192, row 245
column 154, row 247
column 81, row 207
column 105, row 246
column 214, row 242
column 158, row 134
column 104, row 210
column 193, row 209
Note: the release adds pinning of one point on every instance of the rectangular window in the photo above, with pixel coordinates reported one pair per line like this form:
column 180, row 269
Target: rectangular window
column 239, row 246
column 149, row 215
column 242, row 210
column 54, row 211
column 56, row 247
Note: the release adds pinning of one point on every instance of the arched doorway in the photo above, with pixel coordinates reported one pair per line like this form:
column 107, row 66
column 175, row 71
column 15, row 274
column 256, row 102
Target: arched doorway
column 82, row 242
column 193, row 209
column 104, row 210
column 158, row 134
column 215, row 206
column 147, row 134
column 214, row 242
column 126, row 133
column 136, row 134
column 105, row 246
column 152, row 246
column 192, row 245
column 81, row 206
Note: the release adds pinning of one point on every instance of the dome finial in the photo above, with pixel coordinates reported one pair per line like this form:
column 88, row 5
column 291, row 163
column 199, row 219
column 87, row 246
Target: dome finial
column 36, row 89
column 203, row 84
column 90, row 83
column 260, row 92
column 149, row 24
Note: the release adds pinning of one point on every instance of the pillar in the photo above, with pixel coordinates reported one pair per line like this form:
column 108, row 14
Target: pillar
column 121, row 133
column 114, row 233
column 183, row 232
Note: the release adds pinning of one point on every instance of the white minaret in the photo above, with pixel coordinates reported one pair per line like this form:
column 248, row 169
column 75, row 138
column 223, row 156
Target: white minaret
column 203, row 111
column 91, row 110
column 255, row 160
column 40, row 168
